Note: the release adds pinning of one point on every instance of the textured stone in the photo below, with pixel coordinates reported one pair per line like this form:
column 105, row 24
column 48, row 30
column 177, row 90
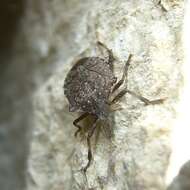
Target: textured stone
column 137, row 156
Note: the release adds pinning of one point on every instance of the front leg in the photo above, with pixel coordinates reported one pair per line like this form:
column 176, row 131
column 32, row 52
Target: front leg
column 75, row 122
column 124, row 76
column 111, row 57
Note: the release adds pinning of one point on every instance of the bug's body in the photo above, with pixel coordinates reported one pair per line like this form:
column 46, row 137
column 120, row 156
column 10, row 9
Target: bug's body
column 88, row 86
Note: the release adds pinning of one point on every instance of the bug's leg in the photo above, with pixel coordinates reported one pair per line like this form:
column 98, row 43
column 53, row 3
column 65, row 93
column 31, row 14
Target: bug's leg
column 75, row 122
column 124, row 91
column 118, row 96
column 90, row 133
column 162, row 6
column 111, row 57
column 143, row 99
column 124, row 76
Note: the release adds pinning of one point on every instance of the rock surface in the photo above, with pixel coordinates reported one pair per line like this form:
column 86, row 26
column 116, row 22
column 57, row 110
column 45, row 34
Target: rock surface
column 59, row 32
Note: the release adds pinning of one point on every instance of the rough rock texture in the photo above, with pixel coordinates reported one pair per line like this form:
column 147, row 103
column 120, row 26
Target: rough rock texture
column 178, row 173
column 136, row 157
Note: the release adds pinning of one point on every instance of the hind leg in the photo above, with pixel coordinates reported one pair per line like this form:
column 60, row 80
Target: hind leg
column 124, row 91
column 143, row 99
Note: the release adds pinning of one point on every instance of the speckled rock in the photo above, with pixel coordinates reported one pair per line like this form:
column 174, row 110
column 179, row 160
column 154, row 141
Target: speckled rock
column 137, row 155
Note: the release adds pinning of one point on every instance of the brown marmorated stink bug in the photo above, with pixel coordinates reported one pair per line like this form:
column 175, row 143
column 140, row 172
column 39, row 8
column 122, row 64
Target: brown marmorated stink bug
column 89, row 87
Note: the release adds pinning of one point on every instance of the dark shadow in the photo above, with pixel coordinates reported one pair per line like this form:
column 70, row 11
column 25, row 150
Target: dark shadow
column 182, row 180
column 13, row 129
column 11, row 12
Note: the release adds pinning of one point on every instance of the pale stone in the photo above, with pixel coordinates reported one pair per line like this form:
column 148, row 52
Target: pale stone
column 137, row 156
